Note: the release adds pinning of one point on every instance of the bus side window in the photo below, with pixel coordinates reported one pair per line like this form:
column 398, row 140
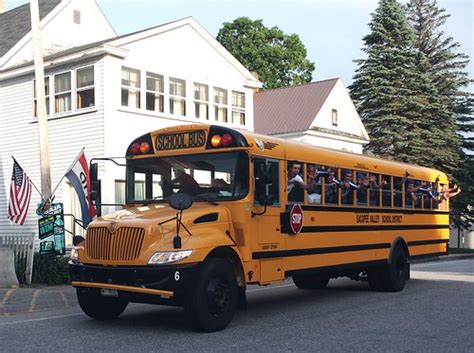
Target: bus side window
column 348, row 187
column 314, row 179
column 375, row 186
column 387, row 191
column 296, row 182
column 332, row 186
column 418, row 194
column 363, row 185
column 268, row 170
column 398, row 191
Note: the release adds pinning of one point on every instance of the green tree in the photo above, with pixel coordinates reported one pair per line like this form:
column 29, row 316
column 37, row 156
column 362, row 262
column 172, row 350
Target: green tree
column 399, row 103
column 446, row 66
column 279, row 59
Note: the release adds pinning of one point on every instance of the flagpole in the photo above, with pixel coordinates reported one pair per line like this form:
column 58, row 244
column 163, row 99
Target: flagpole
column 67, row 171
column 31, row 181
column 41, row 101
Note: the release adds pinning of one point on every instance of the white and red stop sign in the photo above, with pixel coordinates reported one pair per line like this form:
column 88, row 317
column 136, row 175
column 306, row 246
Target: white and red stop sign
column 296, row 218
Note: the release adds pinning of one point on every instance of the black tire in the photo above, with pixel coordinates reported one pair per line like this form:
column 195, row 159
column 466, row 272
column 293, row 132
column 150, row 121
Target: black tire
column 311, row 281
column 374, row 278
column 396, row 274
column 212, row 303
column 99, row 307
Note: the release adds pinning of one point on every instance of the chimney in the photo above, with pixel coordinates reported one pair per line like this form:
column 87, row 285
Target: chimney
column 2, row 6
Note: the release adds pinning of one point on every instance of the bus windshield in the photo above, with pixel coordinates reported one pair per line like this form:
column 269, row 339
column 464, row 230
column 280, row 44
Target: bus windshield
column 205, row 177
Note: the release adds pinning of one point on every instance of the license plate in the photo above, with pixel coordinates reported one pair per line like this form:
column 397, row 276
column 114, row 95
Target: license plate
column 108, row 292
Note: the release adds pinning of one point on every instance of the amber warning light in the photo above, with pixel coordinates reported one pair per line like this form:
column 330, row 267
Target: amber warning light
column 221, row 141
column 138, row 148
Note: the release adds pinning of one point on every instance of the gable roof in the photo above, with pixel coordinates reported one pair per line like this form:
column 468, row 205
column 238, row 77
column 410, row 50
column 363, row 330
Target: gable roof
column 123, row 40
column 290, row 109
column 16, row 23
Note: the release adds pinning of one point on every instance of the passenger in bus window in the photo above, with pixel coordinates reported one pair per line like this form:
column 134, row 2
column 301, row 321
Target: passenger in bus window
column 386, row 192
column 314, row 186
column 362, row 188
column 374, row 193
column 332, row 186
column 398, row 184
column 411, row 197
column 347, row 188
column 296, row 184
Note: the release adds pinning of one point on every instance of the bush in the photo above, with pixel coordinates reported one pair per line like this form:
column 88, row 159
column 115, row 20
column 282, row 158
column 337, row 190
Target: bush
column 50, row 269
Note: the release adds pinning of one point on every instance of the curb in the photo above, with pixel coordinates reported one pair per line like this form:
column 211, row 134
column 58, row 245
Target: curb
column 444, row 258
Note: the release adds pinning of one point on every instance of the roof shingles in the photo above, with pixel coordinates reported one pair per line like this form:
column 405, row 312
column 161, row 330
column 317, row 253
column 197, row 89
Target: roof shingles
column 16, row 23
column 290, row 109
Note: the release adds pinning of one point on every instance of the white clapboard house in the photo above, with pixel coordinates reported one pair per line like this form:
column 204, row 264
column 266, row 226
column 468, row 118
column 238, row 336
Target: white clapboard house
column 104, row 90
column 319, row 113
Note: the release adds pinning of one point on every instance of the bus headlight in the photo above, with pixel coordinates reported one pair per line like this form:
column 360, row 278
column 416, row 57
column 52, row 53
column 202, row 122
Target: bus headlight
column 169, row 256
column 74, row 255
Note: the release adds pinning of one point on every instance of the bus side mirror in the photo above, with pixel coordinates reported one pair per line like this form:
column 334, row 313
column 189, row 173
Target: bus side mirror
column 94, row 179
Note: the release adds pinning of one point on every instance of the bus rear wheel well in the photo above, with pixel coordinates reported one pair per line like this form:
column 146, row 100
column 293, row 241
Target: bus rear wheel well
column 231, row 256
column 399, row 241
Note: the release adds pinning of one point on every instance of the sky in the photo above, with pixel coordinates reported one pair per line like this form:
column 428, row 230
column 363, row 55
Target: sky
column 331, row 30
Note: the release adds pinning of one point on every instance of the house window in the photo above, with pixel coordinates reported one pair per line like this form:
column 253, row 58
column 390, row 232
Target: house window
column 46, row 90
column 155, row 92
column 177, row 96
column 62, row 92
column 130, row 87
column 220, row 104
column 238, row 108
column 334, row 117
column 201, row 101
column 85, row 91
column 77, row 17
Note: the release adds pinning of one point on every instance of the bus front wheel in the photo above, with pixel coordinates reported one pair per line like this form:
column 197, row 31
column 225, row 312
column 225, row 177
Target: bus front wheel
column 99, row 307
column 311, row 281
column 212, row 303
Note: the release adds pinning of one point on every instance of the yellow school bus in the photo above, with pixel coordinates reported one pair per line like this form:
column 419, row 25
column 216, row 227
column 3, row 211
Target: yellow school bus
column 210, row 210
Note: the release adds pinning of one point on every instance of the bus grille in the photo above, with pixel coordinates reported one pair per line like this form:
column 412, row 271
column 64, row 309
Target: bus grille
column 122, row 245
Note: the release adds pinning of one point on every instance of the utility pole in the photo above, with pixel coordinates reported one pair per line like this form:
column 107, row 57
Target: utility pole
column 41, row 101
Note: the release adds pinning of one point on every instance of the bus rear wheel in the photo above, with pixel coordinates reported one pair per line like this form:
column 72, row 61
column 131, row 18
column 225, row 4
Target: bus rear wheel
column 99, row 307
column 211, row 305
column 311, row 281
column 396, row 274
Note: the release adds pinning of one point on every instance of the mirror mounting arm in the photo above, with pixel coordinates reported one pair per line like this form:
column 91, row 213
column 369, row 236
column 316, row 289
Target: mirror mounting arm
column 259, row 213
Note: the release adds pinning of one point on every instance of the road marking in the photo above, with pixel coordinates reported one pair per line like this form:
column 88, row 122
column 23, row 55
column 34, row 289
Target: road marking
column 7, row 296
column 441, row 276
column 33, row 300
column 39, row 319
column 270, row 287
column 66, row 302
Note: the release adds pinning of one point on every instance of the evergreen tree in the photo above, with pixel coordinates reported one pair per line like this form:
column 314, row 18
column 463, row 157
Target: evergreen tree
column 279, row 59
column 447, row 69
column 399, row 103
column 446, row 66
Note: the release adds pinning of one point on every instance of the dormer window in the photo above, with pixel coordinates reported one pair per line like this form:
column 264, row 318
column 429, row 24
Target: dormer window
column 334, row 117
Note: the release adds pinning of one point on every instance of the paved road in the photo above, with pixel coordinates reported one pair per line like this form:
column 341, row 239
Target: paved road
column 435, row 313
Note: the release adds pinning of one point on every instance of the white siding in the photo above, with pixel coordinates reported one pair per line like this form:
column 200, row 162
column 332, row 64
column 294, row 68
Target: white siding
column 59, row 31
column 19, row 138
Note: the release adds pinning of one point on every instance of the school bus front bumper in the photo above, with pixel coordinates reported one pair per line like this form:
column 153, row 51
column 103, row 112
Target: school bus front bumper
column 133, row 283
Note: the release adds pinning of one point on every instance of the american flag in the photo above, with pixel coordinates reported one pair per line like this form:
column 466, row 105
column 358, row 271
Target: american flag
column 20, row 195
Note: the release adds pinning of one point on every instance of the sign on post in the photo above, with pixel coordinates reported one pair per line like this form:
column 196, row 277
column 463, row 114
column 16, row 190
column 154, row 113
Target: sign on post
column 51, row 230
